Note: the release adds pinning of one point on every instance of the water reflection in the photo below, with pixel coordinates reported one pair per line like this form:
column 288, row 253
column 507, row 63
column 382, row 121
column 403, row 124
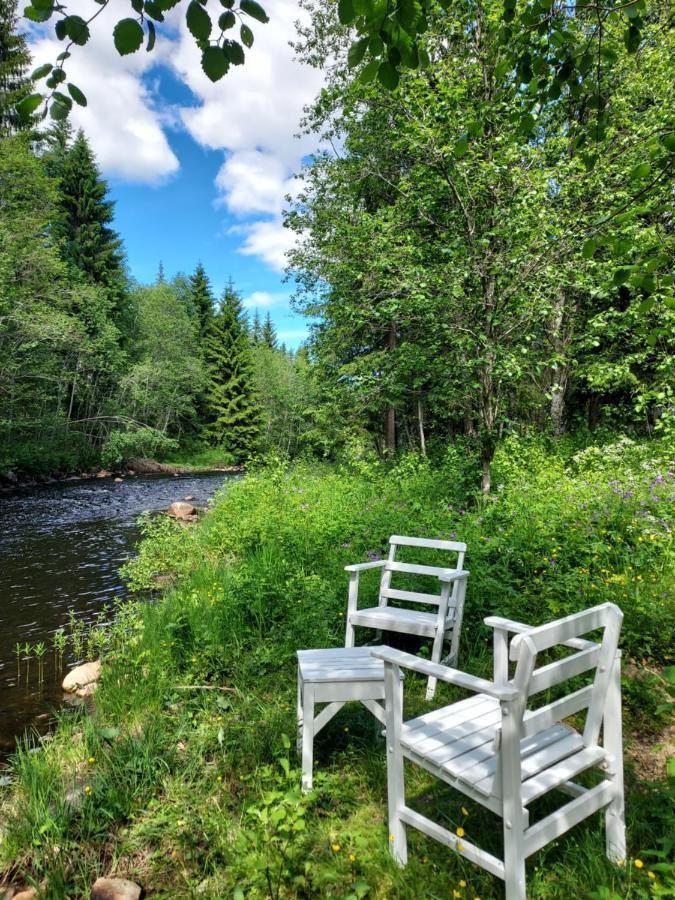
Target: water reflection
column 61, row 547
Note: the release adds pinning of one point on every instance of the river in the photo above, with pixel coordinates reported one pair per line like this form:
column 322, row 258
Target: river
column 61, row 548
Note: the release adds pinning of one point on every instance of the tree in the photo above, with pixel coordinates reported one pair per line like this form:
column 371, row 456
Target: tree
column 233, row 414
column 268, row 333
column 14, row 62
column 83, row 224
column 202, row 298
column 256, row 329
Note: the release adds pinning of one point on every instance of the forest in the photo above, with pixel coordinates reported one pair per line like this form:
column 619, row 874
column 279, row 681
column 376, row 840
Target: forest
column 483, row 251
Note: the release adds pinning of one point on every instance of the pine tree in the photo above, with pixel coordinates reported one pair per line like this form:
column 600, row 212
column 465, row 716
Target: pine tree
column 161, row 277
column 268, row 334
column 233, row 415
column 14, row 63
column 201, row 295
column 88, row 242
column 256, row 330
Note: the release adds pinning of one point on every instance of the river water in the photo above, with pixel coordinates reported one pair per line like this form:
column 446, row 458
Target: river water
column 61, row 548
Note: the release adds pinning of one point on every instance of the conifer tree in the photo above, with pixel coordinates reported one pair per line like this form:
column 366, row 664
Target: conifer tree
column 268, row 334
column 161, row 277
column 14, row 63
column 256, row 329
column 201, row 295
column 233, row 415
column 88, row 242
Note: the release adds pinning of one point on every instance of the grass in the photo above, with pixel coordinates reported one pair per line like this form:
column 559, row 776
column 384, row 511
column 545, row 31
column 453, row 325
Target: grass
column 195, row 792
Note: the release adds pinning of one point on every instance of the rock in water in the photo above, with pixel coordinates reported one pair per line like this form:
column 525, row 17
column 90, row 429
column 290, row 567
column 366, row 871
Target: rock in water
column 115, row 889
column 80, row 676
column 119, row 480
column 181, row 510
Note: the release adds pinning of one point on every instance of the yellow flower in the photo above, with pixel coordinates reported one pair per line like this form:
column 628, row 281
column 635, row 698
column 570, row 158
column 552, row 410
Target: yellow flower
column 638, row 864
column 87, row 790
column 462, row 883
column 621, row 862
column 91, row 760
column 352, row 858
column 650, row 874
column 460, row 832
column 465, row 811
column 335, row 848
column 456, row 894
column 460, row 847
column 219, row 778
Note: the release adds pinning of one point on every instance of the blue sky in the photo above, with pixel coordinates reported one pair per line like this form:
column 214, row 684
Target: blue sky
column 198, row 171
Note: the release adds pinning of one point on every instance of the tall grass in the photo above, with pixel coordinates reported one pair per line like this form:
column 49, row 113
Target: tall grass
column 185, row 775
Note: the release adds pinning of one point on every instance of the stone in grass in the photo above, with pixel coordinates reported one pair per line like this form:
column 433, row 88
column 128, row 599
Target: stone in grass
column 181, row 510
column 115, row 889
column 82, row 675
column 27, row 894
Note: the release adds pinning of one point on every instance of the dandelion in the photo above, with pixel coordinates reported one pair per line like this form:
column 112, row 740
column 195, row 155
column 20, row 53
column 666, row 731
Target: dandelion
column 87, row 789
column 219, row 778
column 460, row 847
column 335, row 848
column 462, row 883
column 91, row 760
column 651, row 875
column 460, row 832
column 352, row 858
column 456, row 894
column 639, row 864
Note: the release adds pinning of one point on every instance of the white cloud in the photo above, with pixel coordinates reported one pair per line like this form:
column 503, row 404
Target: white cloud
column 121, row 119
column 264, row 299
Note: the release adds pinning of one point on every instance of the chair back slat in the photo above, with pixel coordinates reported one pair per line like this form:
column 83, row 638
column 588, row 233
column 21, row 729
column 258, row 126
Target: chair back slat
column 417, row 569
column 408, row 594
column 543, row 637
column 538, row 719
column 412, row 596
column 556, row 672
column 429, row 543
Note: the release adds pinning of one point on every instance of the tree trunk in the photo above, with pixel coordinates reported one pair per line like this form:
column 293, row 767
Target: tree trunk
column 485, row 460
column 390, row 412
column 562, row 329
column 420, row 422
column 593, row 412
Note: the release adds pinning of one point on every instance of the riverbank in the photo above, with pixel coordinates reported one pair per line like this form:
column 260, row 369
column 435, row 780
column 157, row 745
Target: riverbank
column 189, row 790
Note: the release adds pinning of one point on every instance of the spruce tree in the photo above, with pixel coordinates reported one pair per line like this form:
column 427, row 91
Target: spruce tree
column 201, row 295
column 233, row 414
column 88, row 242
column 14, row 63
column 268, row 334
column 256, row 329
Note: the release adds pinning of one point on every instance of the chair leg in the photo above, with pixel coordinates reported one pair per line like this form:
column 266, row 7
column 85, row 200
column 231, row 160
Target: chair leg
column 615, row 826
column 398, row 843
column 514, row 863
column 307, row 737
column 436, row 651
column 299, row 717
column 349, row 634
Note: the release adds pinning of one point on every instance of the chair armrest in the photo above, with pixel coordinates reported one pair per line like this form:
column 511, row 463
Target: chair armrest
column 444, row 673
column 454, row 575
column 361, row 567
column 508, row 625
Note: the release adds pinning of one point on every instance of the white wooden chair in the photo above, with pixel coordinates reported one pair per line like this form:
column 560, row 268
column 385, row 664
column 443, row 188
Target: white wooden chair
column 444, row 623
column 499, row 751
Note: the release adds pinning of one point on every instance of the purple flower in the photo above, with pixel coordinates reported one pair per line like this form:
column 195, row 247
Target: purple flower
column 453, row 535
column 373, row 555
column 552, row 562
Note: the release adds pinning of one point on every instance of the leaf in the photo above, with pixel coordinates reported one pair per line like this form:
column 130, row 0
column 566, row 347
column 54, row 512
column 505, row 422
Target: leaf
column 128, row 36
column 77, row 94
column 461, row 146
column 36, row 15
column 388, row 76
column 646, row 305
column 76, row 29
column 62, row 56
column 357, row 52
column 41, row 72
column 621, row 276
column 286, row 741
column 60, row 29
column 346, row 13
column 28, row 105
column 668, row 141
column 246, row 36
column 198, row 21
column 588, row 249
column 226, row 20
column 215, row 63
column 43, row 5
column 235, row 53
column 641, row 171
column 59, row 111
column 254, row 10
column 369, row 71
column 151, row 36
column 154, row 10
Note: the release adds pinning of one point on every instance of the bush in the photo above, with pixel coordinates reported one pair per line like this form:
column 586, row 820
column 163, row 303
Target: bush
column 138, row 441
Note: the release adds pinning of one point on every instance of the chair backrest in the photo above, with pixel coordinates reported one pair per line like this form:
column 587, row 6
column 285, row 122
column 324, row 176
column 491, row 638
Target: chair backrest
column 596, row 657
column 392, row 567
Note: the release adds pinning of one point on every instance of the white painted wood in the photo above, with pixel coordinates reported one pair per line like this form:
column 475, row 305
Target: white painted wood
column 429, row 543
column 363, row 567
column 307, row 736
column 446, row 625
column 495, row 750
column 395, row 775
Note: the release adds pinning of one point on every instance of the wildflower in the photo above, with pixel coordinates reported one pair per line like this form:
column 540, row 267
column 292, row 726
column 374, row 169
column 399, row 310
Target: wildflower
column 91, row 760
column 460, row 847
column 462, row 883
column 460, row 832
column 651, row 875
column 352, row 858
column 87, row 789
column 219, row 778
column 335, row 848
column 465, row 811
column 456, row 894
column 639, row 864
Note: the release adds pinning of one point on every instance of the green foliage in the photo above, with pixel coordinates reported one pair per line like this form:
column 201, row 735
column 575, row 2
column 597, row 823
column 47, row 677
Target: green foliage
column 16, row 104
column 121, row 446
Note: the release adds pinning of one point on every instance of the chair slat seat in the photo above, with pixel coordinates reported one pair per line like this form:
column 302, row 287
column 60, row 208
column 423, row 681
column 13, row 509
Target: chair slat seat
column 390, row 618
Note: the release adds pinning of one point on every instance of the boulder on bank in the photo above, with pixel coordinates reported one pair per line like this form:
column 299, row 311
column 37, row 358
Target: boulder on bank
column 181, row 510
column 115, row 889
column 142, row 466
column 82, row 676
